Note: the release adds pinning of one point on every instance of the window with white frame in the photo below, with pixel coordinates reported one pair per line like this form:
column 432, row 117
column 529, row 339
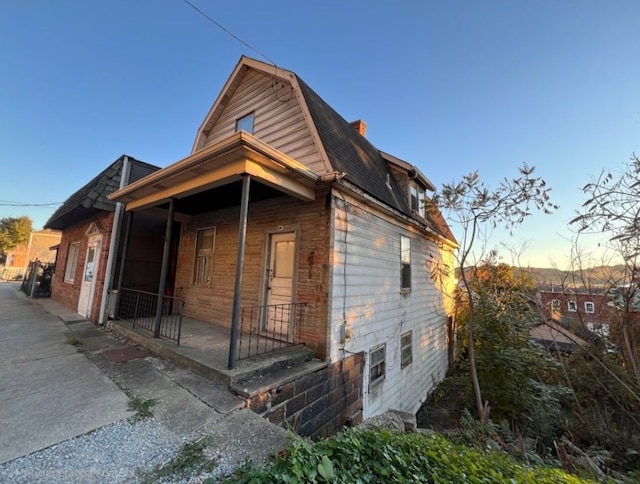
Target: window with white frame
column 405, row 263
column 377, row 364
column 203, row 264
column 406, row 349
column 589, row 307
column 245, row 123
column 572, row 306
column 555, row 304
column 72, row 262
column 418, row 196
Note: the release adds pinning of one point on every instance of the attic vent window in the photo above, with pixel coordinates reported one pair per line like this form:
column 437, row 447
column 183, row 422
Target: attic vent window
column 245, row 123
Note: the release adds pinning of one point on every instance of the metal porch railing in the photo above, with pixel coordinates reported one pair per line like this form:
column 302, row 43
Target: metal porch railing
column 138, row 308
column 264, row 329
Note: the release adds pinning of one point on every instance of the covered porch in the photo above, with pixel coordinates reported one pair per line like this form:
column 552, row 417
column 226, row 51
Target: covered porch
column 226, row 178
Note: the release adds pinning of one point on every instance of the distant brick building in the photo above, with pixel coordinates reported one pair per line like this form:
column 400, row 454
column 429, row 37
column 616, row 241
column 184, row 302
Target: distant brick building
column 585, row 306
column 38, row 247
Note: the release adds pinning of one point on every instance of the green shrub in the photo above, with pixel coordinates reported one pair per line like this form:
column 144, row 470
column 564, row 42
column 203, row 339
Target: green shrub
column 364, row 455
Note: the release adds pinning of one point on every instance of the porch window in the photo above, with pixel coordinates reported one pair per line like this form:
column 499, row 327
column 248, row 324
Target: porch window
column 245, row 123
column 377, row 366
column 203, row 264
column 72, row 262
column 405, row 263
column 406, row 349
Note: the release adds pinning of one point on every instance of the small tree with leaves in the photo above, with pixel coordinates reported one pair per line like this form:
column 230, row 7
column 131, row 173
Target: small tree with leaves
column 14, row 232
column 613, row 208
column 476, row 210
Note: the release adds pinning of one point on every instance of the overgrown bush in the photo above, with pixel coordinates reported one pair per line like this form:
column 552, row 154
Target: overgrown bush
column 365, row 455
column 606, row 407
column 514, row 374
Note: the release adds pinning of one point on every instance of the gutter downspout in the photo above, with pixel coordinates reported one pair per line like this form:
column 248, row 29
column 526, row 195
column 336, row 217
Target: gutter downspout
column 113, row 243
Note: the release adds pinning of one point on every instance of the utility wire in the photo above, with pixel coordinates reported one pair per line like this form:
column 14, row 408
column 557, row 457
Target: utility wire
column 223, row 28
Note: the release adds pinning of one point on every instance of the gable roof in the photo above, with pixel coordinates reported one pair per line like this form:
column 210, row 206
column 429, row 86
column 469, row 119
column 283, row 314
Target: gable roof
column 92, row 199
column 341, row 147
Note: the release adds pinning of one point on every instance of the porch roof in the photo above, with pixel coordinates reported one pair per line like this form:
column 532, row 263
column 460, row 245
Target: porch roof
column 221, row 165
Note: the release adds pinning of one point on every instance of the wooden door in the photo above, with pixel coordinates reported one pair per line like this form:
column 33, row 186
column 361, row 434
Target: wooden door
column 281, row 274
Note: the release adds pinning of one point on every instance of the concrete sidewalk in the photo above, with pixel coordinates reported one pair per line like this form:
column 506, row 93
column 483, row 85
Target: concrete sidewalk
column 51, row 391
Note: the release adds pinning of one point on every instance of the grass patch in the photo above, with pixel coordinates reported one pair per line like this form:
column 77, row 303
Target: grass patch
column 74, row 341
column 142, row 407
column 189, row 461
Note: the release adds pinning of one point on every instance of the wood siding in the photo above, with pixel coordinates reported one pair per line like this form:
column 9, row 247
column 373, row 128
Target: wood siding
column 367, row 298
column 279, row 120
column 214, row 303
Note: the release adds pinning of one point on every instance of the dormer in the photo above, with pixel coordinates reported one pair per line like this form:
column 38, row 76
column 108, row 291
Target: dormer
column 414, row 183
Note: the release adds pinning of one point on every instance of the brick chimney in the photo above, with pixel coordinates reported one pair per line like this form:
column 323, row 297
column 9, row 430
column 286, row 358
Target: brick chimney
column 360, row 126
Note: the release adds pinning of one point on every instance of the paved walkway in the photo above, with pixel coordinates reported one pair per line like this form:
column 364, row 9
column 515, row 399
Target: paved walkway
column 48, row 391
column 52, row 390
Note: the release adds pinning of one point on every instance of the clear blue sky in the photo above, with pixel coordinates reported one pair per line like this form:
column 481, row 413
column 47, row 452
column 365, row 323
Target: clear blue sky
column 451, row 87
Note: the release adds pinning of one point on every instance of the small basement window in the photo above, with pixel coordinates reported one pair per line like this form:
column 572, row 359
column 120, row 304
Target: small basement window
column 245, row 123
column 406, row 350
column 377, row 366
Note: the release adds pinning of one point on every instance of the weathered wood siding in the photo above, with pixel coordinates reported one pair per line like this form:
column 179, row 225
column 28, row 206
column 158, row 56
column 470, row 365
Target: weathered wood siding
column 282, row 214
column 367, row 299
column 279, row 120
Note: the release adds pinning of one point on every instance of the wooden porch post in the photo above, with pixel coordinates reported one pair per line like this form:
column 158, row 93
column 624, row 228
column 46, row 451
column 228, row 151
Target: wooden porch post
column 165, row 269
column 237, row 293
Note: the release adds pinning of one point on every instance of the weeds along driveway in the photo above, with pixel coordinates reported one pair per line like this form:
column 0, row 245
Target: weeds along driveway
column 48, row 391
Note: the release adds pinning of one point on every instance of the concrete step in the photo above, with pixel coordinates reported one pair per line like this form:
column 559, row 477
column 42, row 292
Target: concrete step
column 261, row 383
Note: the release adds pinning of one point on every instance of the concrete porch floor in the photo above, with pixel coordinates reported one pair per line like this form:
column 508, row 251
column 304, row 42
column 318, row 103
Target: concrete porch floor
column 204, row 349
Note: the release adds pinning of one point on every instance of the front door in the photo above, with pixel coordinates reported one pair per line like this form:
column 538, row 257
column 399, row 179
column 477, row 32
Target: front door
column 280, row 276
column 88, row 284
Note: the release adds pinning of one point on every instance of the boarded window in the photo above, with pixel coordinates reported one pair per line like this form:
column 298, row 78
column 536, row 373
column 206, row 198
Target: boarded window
column 406, row 349
column 72, row 262
column 203, row 264
column 405, row 263
column 245, row 123
column 377, row 366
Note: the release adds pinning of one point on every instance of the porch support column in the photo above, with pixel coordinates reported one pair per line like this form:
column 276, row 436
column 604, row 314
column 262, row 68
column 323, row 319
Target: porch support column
column 237, row 293
column 165, row 269
column 123, row 260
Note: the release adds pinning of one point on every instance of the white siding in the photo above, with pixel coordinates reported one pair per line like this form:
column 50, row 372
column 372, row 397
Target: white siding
column 367, row 297
column 279, row 120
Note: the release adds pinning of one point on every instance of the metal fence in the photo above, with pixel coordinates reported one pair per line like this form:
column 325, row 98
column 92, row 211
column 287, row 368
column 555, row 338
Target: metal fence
column 264, row 329
column 37, row 280
column 138, row 308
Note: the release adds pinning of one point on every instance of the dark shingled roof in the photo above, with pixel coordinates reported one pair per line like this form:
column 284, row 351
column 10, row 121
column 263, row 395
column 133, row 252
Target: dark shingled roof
column 353, row 154
column 91, row 199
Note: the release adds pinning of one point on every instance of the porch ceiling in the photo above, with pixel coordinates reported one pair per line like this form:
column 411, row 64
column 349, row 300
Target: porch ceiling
column 209, row 179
